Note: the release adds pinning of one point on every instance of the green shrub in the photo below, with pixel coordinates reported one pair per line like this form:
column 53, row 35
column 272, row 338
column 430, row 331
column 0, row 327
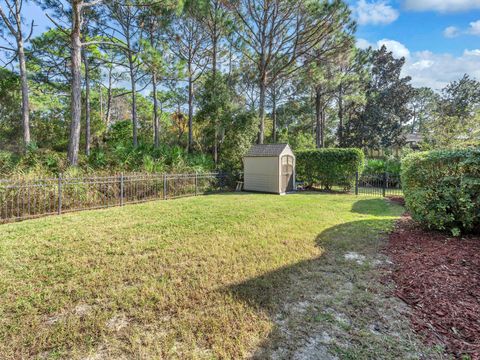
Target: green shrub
column 329, row 167
column 377, row 166
column 442, row 189
column 145, row 158
column 8, row 161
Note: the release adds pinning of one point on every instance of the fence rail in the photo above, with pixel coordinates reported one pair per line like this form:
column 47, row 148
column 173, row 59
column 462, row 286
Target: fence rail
column 22, row 199
column 383, row 184
column 378, row 184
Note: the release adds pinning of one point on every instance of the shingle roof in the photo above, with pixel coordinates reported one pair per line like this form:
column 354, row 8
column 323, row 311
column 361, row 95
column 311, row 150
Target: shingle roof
column 266, row 150
column 414, row 138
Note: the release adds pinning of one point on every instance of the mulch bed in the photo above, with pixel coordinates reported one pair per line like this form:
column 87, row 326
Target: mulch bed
column 439, row 277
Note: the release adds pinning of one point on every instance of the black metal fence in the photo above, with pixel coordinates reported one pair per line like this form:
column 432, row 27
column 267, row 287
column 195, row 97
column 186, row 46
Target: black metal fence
column 383, row 184
column 379, row 184
column 22, row 199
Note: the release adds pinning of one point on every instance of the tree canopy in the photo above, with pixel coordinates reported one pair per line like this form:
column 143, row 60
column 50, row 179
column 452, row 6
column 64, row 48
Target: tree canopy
column 115, row 85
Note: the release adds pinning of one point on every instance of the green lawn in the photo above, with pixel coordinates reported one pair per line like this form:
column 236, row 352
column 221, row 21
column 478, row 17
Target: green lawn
column 220, row 276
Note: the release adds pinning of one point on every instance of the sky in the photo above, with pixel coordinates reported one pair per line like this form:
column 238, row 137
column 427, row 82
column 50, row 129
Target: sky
column 440, row 39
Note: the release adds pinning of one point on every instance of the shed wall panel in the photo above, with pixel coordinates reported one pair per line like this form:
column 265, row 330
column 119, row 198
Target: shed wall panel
column 261, row 174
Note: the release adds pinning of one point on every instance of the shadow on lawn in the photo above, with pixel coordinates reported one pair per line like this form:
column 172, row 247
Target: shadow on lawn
column 288, row 294
column 376, row 207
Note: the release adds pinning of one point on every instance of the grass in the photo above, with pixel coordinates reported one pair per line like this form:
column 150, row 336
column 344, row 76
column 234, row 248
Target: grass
column 217, row 276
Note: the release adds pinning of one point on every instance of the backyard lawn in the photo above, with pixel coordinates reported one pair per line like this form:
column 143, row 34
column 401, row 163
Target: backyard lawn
column 219, row 276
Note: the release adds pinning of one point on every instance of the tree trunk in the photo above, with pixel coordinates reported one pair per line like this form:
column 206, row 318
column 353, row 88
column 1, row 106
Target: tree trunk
column 214, row 55
column 100, row 92
column 108, row 115
column 263, row 89
column 263, row 75
column 190, row 111
column 340, row 117
column 134, row 98
column 318, row 118
column 214, row 74
column 274, row 114
column 25, row 99
column 87, row 103
column 76, row 101
column 156, row 122
column 322, row 128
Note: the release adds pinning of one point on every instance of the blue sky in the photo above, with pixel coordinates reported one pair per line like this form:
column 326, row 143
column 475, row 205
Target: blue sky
column 439, row 38
column 422, row 30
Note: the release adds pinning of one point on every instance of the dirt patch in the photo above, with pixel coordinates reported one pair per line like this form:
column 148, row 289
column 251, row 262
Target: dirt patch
column 117, row 323
column 353, row 256
column 439, row 277
column 81, row 310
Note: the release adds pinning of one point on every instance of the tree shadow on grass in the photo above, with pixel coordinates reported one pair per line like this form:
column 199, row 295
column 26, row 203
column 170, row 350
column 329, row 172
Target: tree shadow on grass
column 264, row 290
column 376, row 207
column 314, row 305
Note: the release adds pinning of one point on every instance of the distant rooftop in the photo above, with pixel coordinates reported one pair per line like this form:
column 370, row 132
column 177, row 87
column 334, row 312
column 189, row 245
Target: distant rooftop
column 414, row 138
column 266, row 150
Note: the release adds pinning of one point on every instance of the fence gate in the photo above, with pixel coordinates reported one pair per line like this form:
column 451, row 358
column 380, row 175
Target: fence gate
column 380, row 184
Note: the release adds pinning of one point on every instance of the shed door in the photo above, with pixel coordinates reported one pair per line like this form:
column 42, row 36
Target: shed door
column 287, row 173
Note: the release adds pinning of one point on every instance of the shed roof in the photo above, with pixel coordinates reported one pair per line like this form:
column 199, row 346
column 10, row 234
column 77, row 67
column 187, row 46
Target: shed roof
column 266, row 150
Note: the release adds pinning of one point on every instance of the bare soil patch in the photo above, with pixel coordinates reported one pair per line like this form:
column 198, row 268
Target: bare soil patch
column 439, row 278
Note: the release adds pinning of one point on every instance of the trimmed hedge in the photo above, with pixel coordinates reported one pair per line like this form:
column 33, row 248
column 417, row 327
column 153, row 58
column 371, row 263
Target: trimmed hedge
column 329, row 167
column 442, row 189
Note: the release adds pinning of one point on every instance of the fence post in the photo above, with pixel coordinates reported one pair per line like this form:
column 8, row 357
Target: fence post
column 196, row 183
column 122, row 189
column 356, row 183
column 59, row 194
column 164, row 186
column 384, row 186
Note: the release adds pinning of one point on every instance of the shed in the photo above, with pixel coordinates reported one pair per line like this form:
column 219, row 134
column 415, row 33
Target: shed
column 269, row 168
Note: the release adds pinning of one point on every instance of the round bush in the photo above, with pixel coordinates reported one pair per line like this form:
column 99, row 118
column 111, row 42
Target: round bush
column 442, row 189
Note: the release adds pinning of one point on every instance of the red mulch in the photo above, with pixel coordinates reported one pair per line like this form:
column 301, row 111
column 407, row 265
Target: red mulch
column 439, row 277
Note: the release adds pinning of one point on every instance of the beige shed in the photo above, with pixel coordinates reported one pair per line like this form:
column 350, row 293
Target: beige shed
column 269, row 168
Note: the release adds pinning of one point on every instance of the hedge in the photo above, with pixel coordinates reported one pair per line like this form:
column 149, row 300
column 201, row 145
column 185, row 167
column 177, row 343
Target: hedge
column 442, row 189
column 329, row 167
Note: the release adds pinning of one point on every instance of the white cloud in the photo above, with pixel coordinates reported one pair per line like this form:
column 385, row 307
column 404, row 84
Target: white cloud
column 363, row 44
column 474, row 28
column 475, row 52
column 431, row 69
column 375, row 12
column 437, row 70
column 422, row 64
column 397, row 48
column 442, row 5
column 451, row 32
